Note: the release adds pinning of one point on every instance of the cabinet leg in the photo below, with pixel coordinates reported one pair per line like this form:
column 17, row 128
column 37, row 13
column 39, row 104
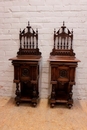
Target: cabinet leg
column 17, row 103
column 34, row 104
column 17, row 98
column 52, row 99
column 69, row 106
column 17, row 89
column 70, row 100
column 34, row 99
column 34, row 92
column 52, row 105
column 53, row 92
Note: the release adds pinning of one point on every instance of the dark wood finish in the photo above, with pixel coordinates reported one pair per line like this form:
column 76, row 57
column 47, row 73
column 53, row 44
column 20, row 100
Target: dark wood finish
column 26, row 67
column 63, row 65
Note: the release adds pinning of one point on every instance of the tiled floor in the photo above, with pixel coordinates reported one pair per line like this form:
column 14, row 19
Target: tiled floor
column 42, row 117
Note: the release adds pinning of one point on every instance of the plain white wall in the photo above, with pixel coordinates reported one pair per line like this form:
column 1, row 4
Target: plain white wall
column 44, row 15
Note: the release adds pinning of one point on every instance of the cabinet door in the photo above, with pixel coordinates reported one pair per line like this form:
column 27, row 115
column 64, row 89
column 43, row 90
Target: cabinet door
column 25, row 73
column 63, row 73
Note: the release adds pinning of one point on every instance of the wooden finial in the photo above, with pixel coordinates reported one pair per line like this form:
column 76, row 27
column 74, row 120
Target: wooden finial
column 54, row 30
column 28, row 23
column 63, row 23
column 72, row 31
column 36, row 30
column 20, row 30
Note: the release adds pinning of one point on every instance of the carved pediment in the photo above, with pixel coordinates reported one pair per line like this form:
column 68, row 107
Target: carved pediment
column 28, row 42
column 63, row 42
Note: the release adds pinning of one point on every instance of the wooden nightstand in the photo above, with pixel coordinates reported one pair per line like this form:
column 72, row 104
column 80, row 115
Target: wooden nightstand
column 26, row 67
column 63, row 65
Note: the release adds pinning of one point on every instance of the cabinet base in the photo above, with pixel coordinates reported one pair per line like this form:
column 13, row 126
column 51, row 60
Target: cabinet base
column 32, row 101
column 57, row 102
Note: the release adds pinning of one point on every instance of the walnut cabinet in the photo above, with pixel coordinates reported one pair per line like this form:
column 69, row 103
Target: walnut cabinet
column 26, row 67
column 63, row 64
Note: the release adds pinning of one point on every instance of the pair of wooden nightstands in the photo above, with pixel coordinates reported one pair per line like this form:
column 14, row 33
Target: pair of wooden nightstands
column 27, row 65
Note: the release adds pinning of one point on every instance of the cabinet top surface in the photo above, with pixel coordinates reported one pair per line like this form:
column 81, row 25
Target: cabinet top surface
column 63, row 59
column 26, row 58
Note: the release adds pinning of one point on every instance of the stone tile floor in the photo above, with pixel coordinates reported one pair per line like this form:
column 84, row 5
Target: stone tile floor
column 42, row 117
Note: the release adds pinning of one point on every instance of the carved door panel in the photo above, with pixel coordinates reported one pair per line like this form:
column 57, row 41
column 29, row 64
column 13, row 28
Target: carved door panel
column 25, row 73
column 63, row 74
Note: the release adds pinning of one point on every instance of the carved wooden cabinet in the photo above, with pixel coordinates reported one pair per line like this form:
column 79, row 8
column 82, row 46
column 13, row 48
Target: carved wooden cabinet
column 26, row 67
column 63, row 65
